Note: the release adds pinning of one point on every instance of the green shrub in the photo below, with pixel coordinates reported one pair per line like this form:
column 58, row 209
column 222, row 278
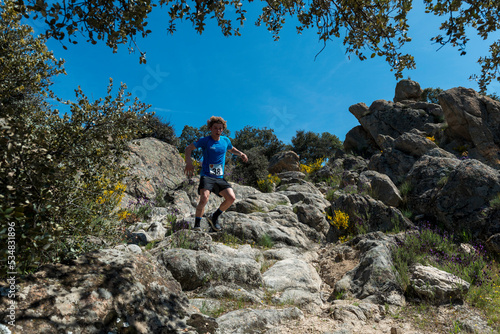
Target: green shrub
column 60, row 179
column 157, row 128
column 266, row 241
column 430, row 246
column 495, row 202
column 251, row 172
column 268, row 184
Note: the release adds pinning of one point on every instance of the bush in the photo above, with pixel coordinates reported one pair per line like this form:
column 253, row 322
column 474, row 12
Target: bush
column 268, row 184
column 430, row 246
column 160, row 130
column 60, row 177
column 251, row 172
column 250, row 137
column 312, row 167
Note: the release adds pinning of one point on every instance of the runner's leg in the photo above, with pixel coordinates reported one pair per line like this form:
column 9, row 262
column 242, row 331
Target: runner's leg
column 229, row 199
column 200, row 208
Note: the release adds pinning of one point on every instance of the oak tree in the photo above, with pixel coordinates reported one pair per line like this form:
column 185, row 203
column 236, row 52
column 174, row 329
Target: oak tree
column 368, row 28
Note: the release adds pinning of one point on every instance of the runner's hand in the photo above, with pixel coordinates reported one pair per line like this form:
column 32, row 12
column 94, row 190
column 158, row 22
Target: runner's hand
column 244, row 157
column 189, row 170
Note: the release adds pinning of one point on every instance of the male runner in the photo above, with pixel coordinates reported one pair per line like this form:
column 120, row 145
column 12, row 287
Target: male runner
column 214, row 149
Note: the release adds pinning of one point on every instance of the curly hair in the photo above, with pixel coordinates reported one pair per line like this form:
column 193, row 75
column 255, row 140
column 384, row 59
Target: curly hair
column 216, row 119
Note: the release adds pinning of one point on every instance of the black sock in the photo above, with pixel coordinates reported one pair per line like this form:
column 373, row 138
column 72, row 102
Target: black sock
column 197, row 220
column 216, row 215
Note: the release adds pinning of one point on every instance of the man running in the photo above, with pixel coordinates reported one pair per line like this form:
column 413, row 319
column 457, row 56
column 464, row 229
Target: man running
column 214, row 149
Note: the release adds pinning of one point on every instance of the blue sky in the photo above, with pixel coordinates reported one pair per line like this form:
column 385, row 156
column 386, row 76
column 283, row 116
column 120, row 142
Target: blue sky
column 254, row 80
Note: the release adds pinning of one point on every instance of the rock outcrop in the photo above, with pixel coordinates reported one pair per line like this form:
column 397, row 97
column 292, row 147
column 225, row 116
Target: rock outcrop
column 105, row 291
column 284, row 162
column 156, row 166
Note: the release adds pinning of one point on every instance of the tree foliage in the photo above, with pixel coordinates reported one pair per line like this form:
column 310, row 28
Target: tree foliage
column 251, row 137
column 161, row 130
column 251, row 172
column 368, row 28
column 60, row 179
column 431, row 95
column 312, row 146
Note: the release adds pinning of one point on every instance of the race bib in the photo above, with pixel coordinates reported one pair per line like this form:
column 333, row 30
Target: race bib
column 216, row 169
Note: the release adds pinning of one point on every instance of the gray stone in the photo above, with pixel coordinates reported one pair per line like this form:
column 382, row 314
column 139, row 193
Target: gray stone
column 304, row 187
column 189, row 239
column 282, row 227
column 360, row 142
column 157, row 231
column 313, row 216
column 193, row 269
column 297, row 281
column 371, row 214
column 132, row 248
column 456, row 192
column 437, row 286
column 382, row 187
column 234, row 292
column 475, row 119
column 256, row 321
column 287, row 161
column 374, row 279
column 263, row 202
column 99, row 292
column 295, row 175
column 407, row 90
column 156, row 164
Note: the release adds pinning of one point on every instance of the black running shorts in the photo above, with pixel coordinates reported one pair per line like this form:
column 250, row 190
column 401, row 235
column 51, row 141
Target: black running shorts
column 213, row 184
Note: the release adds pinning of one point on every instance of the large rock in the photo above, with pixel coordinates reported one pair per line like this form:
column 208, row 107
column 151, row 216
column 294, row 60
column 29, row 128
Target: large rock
column 393, row 163
column 358, row 141
column 414, row 143
column 399, row 155
column 194, row 269
column 437, row 286
column 296, row 280
column 374, row 279
column 456, row 192
column 101, row 292
column 393, row 119
column 284, row 162
column 156, row 164
column 303, row 186
column 407, row 90
column 262, row 202
column 280, row 225
column 313, row 216
column 256, row 321
column 476, row 119
column 382, row 188
column 372, row 214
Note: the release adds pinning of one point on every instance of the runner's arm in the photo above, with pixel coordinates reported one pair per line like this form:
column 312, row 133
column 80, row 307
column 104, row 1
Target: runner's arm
column 237, row 152
column 189, row 169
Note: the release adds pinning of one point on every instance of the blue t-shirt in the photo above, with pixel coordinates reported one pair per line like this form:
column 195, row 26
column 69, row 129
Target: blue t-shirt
column 214, row 155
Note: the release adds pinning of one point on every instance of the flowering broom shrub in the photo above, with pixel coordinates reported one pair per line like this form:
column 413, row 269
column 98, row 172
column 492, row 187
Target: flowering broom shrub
column 268, row 184
column 340, row 220
column 313, row 167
